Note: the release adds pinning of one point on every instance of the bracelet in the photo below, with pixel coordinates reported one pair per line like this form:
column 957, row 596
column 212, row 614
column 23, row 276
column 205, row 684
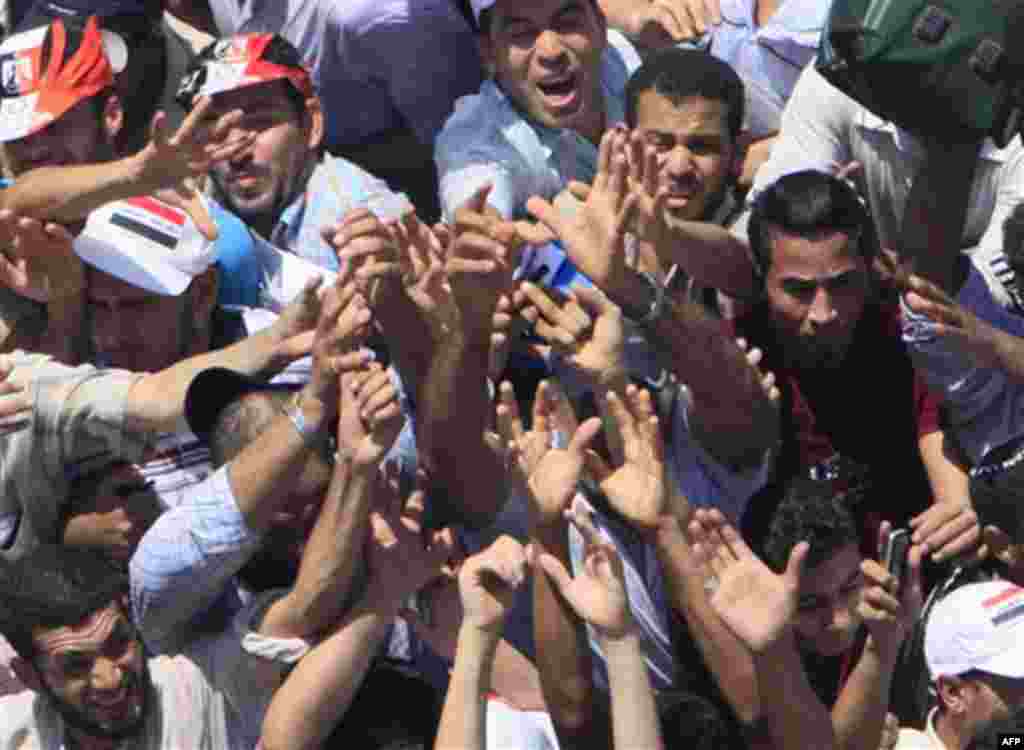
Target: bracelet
column 306, row 431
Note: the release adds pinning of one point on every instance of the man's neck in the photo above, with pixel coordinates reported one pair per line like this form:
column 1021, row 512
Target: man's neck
column 951, row 736
column 764, row 10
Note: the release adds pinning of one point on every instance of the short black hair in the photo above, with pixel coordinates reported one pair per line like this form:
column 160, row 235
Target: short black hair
column 52, row 587
column 804, row 204
column 1013, row 238
column 813, row 511
column 677, row 73
column 484, row 25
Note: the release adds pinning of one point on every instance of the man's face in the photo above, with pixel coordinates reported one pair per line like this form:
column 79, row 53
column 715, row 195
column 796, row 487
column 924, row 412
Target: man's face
column 96, row 673
column 989, row 698
column 258, row 183
column 696, row 157
column 546, row 55
column 816, row 288
column 78, row 137
column 134, row 329
column 827, row 619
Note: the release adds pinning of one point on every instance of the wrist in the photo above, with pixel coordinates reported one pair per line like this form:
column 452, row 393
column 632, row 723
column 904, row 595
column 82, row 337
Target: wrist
column 884, row 651
column 308, row 413
column 140, row 174
column 622, row 640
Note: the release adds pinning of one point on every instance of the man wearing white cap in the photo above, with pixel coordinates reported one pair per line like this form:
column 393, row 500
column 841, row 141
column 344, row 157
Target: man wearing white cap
column 556, row 83
column 974, row 648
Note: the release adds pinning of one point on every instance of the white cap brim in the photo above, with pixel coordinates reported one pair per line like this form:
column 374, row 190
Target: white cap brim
column 152, row 275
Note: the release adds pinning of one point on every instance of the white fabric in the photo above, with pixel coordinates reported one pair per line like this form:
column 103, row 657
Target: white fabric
column 914, row 739
column 978, row 626
column 509, row 728
column 212, row 698
column 146, row 243
column 822, row 127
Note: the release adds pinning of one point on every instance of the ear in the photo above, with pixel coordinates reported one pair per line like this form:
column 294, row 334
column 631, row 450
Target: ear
column 26, row 672
column 204, row 296
column 315, row 122
column 954, row 694
column 113, row 117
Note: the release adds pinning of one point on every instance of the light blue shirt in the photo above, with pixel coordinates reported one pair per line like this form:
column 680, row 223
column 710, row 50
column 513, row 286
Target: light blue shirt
column 768, row 58
column 488, row 139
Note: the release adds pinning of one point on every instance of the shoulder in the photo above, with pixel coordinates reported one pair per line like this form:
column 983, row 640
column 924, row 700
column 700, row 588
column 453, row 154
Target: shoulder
column 23, row 716
column 914, row 739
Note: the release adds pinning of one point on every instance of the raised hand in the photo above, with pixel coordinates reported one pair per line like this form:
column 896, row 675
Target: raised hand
column 369, row 415
column 634, row 482
column 598, row 593
column 767, row 378
column 39, row 261
column 401, row 560
column 584, row 326
column 546, row 474
column 890, row 607
column 756, row 604
column 15, row 402
column 488, row 583
column 189, row 199
column 948, row 529
column 367, row 245
column 484, row 255
column 594, row 236
column 201, row 141
column 341, row 328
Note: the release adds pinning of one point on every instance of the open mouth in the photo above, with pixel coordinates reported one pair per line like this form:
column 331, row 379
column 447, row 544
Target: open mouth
column 560, row 91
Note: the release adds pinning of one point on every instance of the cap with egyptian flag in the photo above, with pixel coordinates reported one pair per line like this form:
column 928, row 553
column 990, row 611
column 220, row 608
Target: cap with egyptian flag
column 243, row 60
column 979, row 626
column 146, row 243
column 47, row 70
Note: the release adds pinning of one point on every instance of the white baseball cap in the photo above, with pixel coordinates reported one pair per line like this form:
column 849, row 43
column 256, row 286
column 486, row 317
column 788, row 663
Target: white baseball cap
column 146, row 243
column 479, row 6
column 979, row 626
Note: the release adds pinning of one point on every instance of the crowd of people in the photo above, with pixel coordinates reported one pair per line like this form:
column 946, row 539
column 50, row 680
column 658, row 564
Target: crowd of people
column 505, row 374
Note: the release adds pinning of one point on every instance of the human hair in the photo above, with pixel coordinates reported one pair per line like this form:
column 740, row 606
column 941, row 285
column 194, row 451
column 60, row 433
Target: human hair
column 812, row 511
column 692, row 722
column 806, row 204
column 484, row 25
column 677, row 74
column 1013, row 238
column 243, row 420
column 52, row 587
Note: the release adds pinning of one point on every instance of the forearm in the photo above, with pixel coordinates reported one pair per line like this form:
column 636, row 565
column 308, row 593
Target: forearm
column 730, row 414
column 935, row 212
column 69, row 194
column 563, row 652
column 713, row 256
column 453, row 409
column 859, row 714
column 726, row 657
column 946, row 474
column 331, row 561
column 635, row 721
column 794, row 716
column 156, row 402
column 321, row 688
column 262, row 475
column 463, row 721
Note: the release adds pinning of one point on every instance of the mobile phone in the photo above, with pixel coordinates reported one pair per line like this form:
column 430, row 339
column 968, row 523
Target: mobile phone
column 894, row 556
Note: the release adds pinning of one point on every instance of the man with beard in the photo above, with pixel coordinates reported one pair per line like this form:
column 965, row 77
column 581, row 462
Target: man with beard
column 91, row 683
column 283, row 185
column 972, row 645
column 828, row 333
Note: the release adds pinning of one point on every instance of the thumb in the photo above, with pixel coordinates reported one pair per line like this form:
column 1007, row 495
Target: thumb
column 584, row 435
column 478, row 199
column 795, row 567
column 545, row 213
column 592, row 300
column 555, row 571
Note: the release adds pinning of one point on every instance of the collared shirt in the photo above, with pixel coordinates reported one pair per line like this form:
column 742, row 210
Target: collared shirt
column 488, row 139
column 914, row 739
column 379, row 64
column 335, row 188
column 984, row 406
column 212, row 698
column 822, row 127
column 768, row 58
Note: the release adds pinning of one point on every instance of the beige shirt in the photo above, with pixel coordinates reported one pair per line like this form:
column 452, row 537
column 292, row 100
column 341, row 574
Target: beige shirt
column 914, row 739
column 212, row 697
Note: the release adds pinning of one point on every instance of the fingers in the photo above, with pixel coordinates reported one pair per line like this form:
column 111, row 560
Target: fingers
column 584, row 436
column 509, row 422
column 795, row 566
column 560, row 325
column 542, row 407
column 947, row 530
column 505, row 559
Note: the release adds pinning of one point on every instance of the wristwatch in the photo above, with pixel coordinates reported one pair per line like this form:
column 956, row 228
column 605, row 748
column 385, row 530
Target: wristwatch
column 649, row 310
